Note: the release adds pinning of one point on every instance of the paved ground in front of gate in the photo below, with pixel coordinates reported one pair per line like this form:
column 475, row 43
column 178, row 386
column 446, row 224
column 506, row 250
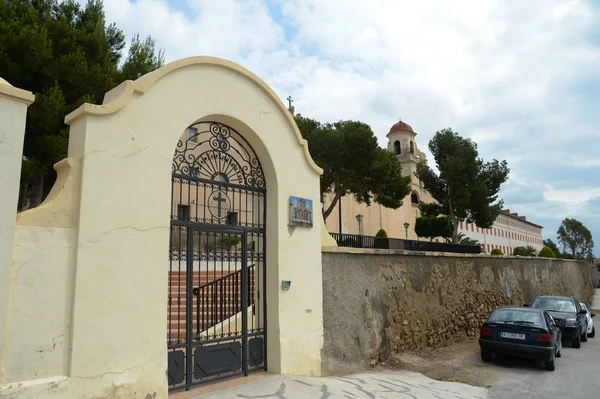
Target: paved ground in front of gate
column 389, row 385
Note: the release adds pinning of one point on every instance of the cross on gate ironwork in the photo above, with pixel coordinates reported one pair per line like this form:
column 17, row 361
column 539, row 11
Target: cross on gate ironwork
column 219, row 198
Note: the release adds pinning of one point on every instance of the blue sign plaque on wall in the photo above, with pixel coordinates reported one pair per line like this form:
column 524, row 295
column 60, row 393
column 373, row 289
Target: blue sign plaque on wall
column 301, row 212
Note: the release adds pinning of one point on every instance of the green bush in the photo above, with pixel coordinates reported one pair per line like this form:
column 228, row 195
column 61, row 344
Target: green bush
column 381, row 241
column 496, row 251
column 432, row 227
column 381, row 233
column 230, row 240
column 547, row 252
column 520, row 251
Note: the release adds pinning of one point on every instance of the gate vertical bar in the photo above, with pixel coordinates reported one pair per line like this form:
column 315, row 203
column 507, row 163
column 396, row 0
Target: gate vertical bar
column 188, row 307
column 245, row 303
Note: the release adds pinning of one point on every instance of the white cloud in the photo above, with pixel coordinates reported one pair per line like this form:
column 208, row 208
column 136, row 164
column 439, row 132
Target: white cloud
column 507, row 74
column 572, row 196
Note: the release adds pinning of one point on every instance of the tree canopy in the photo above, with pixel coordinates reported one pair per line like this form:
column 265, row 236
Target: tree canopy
column 573, row 236
column 67, row 55
column 466, row 188
column 431, row 227
column 353, row 163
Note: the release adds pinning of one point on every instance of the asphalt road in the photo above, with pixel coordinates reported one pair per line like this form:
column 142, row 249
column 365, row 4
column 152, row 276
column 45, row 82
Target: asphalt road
column 577, row 375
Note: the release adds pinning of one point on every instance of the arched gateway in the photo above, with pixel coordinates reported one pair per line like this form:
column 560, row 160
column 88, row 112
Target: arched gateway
column 230, row 202
column 216, row 302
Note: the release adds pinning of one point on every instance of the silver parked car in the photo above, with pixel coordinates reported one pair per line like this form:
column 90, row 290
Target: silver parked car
column 591, row 330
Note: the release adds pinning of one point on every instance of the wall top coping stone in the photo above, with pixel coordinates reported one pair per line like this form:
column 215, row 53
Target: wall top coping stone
column 8, row 90
column 371, row 251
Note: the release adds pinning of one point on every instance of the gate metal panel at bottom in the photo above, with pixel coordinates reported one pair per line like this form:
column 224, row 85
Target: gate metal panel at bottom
column 214, row 360
column 216, row 309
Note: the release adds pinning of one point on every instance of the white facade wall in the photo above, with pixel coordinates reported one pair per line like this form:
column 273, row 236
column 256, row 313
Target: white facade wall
column 507, row 233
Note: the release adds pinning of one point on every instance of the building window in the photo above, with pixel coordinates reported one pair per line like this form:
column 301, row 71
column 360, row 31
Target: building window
column 414, row 198
column 397, row 147
column 183, row 212
column 192, row 134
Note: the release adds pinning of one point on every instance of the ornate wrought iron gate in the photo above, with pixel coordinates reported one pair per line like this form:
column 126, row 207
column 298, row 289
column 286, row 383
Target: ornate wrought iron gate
column 216, row 303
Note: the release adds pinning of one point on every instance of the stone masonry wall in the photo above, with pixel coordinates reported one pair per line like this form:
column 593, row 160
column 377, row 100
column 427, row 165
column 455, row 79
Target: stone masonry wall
column 379, row 303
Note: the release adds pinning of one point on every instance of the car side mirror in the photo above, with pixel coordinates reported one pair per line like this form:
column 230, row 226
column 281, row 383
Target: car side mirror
column 582, row 311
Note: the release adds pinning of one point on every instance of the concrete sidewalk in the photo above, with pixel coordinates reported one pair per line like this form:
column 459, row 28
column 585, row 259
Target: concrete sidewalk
column 596, row 300
column 389, row 385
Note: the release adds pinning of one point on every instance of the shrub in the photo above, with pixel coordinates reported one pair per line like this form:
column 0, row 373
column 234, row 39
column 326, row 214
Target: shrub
column 520, row 251
column 381, row 241
column 496, row 251
column 547, row 252
column 230, row 240
column 381, row 233
column 530, row 250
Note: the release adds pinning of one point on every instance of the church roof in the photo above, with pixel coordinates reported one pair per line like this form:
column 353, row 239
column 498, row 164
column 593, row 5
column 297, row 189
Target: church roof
column 401, row 127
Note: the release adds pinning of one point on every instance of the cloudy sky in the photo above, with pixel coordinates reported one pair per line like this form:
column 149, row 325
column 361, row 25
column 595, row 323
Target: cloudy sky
column 522, row 78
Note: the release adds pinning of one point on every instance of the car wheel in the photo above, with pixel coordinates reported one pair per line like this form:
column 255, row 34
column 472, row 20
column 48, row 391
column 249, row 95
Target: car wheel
column 486, row 355
column 593, row 333
column 549, row 365
column 576, row 342
column 584, row 336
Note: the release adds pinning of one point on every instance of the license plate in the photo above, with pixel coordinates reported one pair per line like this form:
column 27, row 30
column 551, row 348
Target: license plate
column 512, row 335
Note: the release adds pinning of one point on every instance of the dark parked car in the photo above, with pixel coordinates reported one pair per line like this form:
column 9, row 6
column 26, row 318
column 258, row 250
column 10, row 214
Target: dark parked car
column 523, row 332
column 568, row 314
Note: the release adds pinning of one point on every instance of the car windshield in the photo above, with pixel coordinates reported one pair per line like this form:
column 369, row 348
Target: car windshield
column 556, row 304
column 516, row 316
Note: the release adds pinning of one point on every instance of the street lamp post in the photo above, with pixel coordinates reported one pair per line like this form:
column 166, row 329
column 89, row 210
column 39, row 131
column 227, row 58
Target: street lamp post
column 406, row 224
column 359, row 217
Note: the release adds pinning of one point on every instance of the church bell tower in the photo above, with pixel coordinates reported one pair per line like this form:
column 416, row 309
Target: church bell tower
column 402, row 143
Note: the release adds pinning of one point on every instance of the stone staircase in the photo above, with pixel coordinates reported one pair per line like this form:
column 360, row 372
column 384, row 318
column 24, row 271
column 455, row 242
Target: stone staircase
column 216, row 297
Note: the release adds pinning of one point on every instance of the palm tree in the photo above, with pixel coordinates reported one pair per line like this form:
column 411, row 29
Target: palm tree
column 463, row 239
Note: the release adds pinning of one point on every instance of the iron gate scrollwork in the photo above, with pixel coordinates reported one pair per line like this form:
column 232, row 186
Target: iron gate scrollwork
column 216, row 303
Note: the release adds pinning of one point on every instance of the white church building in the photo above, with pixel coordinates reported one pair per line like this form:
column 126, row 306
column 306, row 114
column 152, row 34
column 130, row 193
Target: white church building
column 509, row 231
